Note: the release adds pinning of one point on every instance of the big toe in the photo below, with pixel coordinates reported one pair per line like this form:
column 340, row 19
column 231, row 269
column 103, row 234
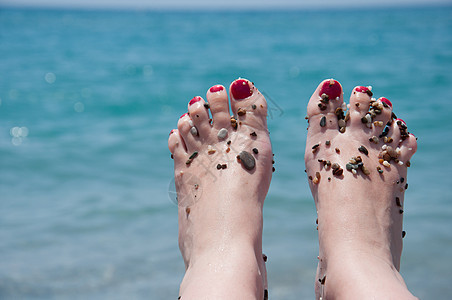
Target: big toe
column 326, row 107
column 248, row 104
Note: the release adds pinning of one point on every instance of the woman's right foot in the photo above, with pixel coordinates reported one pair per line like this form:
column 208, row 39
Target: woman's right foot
column 357, row 163
column 223, row 168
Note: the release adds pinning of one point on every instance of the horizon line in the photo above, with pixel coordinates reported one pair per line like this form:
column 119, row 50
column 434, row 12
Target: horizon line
column 225, row 8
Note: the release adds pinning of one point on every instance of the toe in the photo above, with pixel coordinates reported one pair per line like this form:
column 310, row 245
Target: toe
column 176, row 145
column 219, row 107
column 407, row 148
column 391, row 134
column 184, row 126
column 326, row 99
column 248, row 104
column 326, row 106
column 360, row 101
column 380, row 114
column 197, row 109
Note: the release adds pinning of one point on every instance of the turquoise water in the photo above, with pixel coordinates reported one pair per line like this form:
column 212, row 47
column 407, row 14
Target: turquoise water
column 87, row 100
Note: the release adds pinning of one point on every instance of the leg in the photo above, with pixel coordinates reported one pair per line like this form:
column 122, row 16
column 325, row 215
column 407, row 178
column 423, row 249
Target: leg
column 223, row 168
column 357, row 165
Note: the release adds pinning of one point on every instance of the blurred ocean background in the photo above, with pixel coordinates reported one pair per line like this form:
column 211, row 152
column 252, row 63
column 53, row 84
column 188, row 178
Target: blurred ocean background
column 87, row 99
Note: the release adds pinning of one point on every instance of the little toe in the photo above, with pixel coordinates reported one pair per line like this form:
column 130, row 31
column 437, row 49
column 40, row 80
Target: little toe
column 199, row 114
column 184, row 126
column 407, row 148
column 248, row 104
column 326, row 107
column 391, row 134
column 219, row 107
column 176, row 145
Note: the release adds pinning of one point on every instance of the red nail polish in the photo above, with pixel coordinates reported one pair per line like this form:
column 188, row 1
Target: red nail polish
column 186, row 114
column 362, row 89
column 385, row 100
column 171, row 132
column 241, row 89
column 194, row 100
column 216, row 88
column 331, row 88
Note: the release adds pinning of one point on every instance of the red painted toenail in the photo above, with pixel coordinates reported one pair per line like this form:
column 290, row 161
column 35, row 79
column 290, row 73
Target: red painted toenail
column 401, row 121
column 241, row 89
column 194, row 100
column 186, row 114
column 362, row 89
column 216, row 88
column 385, row 100
column 171, row 132
column 331, row 88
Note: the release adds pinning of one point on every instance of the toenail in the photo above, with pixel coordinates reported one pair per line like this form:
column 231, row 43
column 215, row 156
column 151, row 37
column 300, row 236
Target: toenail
column 216, row 88
column 385, row 100
column 241, row 89
column 364, row 89
column 171, row 132
column 331, row 88
column 186, row 114
column 194, row 100
column 401, row 121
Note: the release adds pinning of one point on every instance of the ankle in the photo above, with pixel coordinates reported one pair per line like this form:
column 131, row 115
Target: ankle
column 358, row 274
column 232, row 272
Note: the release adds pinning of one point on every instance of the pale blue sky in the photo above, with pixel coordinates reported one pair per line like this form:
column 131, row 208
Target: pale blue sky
column 230, row 4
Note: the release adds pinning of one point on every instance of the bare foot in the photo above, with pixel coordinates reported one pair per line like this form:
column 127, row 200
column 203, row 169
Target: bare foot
column 357, row 168
column 223, row 168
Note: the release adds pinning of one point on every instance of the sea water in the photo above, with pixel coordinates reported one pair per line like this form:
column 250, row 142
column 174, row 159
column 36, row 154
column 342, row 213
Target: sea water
column 87, row 99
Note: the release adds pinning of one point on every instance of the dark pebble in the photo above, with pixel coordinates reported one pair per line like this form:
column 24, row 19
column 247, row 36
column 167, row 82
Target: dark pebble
column 194, row 154
column 219, row 166
column 315, row 146
column 247, row 160
column 224, row 166
column 264, row 257
column 363, row 150
column 397, row 200
column 253, row 133
column 253, row 106
column 255, row 151
column 403, row 234
column 338, row 172
column 265, row 294
column 323, row 121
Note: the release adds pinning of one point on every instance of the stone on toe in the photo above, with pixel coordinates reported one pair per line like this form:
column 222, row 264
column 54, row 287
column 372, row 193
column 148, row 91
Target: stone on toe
column 194, row 131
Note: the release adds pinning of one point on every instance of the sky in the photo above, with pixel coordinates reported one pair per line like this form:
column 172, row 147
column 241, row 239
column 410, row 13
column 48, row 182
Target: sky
column 209, row 4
